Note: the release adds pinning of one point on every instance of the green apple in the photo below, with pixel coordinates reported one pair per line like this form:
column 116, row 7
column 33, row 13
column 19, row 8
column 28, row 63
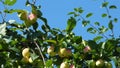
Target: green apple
column 92, row 64
column 26, row 53
column 64, row 65
column 100, row 63
column 108, row 65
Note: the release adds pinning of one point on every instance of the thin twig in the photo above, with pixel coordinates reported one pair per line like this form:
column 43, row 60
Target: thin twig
column 94, row 27
column 40, row 52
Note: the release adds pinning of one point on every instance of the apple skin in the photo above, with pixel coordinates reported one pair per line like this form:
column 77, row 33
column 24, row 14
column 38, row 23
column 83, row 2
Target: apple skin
column 50, row 51
column 86, row 49
column 100, row 63
column 62, row 52
column 108, row 65
column 64, row 65
column 68, row 53
column 92, row 64
column 30, row 60
column 72, row 66
column 26, row 53
column 25, row 60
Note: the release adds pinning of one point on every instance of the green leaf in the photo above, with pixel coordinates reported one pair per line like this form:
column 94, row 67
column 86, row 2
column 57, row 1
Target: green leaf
column 71, row 23
column 85, row 23
column 105, row 4
column 77, row 39
column 97, row 23
column 104, row 15
column 98, row 38
column 89, row 15
column 110, row 25
column 48, row 63
column 91, row 30
column 51, row 41
column 35, row 26
column 71, row 13
column 112, row 7
column 110, row 44
column 2, row 29
column 10, row 2
column 115, row 20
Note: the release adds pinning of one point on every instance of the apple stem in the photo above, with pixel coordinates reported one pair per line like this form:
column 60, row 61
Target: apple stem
column 40, row 52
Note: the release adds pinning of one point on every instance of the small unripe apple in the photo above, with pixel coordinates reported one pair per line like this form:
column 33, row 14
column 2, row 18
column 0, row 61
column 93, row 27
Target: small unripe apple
column 26, row 53
column 100, row 63
column 64, row 65
column 87, row 49
column 50, row 51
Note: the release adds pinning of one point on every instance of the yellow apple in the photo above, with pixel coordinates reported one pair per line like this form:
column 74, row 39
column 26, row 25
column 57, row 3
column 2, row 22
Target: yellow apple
column 62, row 52
column 51, row 51
column 64, row 65
column 26, row 53
column 25, row 60
column 100, row 63
column 30, row 60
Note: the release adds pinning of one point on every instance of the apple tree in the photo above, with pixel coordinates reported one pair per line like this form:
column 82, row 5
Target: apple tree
column 32, row 43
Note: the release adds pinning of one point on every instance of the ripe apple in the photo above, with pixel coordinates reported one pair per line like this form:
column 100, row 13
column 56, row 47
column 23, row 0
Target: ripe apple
column 62, row 52
column 25, row 60
column 68, row 53
column 26, row 53
column 64, row 65
column 50, row 51
column 72, row 66
column 87, row 49
column 32, row 16
column 100, row 63
column 30, row 60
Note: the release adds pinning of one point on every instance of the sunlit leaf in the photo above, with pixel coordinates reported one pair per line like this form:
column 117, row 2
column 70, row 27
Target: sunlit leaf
column 10, row 2
column 71, row 23
column 3, row 29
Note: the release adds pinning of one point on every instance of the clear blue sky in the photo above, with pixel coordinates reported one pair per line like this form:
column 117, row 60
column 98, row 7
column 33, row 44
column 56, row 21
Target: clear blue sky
column 56, row 13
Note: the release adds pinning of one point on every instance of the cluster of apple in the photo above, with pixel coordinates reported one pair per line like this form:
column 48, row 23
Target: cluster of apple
column 66, row 65
column 63, row 52
column 100, row 64
column 26, row 56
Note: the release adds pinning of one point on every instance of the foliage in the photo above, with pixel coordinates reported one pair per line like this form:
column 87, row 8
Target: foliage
column 64, row 46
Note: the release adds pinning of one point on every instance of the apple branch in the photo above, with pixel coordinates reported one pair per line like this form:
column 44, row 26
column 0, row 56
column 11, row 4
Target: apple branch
column 40, row 52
